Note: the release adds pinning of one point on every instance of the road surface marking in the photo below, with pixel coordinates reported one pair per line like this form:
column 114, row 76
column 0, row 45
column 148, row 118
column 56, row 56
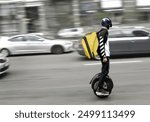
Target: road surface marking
column 116, row 62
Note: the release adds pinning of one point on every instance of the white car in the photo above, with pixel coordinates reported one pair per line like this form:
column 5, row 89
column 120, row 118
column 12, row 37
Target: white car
column 4, row 64
column 31, row 43
column 71, row 32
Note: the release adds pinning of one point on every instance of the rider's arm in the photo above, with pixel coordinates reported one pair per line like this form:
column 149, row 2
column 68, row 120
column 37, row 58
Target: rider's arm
column 102, row 37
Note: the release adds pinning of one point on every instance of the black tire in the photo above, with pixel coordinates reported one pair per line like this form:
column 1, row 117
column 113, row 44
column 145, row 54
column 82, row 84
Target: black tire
column 5, row 52
column 57, row 49
column 108, row 84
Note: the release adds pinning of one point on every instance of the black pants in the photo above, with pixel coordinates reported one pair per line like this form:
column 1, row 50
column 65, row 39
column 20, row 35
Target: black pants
column 104, row 71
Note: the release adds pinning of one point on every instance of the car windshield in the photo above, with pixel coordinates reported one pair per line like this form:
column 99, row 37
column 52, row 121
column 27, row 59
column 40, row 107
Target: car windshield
column 140, row 33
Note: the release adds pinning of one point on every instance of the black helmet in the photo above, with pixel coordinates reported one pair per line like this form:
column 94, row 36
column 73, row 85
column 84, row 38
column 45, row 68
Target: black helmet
column 106, row 22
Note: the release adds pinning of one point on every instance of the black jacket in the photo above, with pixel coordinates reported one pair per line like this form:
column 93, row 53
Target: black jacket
column 102, row 38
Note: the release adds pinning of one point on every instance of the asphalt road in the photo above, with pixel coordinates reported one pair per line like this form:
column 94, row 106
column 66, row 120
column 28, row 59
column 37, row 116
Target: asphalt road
column 64, row 80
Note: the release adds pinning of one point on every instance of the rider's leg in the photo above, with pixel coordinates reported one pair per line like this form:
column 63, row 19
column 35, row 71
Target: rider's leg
column 104, row 72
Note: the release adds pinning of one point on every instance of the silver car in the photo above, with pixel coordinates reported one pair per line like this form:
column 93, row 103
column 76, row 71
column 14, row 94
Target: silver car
column 125, row 41
column 4, row 64
column 31, row 43
column 71, row 32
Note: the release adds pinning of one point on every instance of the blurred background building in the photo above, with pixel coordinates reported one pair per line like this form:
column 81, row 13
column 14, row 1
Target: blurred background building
column 49, row 16
column 21, row 16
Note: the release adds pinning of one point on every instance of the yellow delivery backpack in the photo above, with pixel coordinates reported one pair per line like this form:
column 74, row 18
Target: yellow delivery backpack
column 90, row 45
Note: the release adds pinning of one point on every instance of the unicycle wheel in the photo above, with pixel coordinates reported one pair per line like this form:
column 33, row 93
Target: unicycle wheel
column 107, row 85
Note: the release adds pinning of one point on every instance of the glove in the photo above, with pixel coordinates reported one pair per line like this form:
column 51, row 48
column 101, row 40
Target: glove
column 105, row 59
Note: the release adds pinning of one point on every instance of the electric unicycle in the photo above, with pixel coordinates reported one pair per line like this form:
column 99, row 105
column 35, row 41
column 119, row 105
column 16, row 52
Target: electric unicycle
column 107, row 85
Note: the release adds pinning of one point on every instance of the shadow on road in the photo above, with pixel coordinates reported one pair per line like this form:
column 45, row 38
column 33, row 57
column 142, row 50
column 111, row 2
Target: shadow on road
column 36, row 54
column 2, row 76
column 129, row 56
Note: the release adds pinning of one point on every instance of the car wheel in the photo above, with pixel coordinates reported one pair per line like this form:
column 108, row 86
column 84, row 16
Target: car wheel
column 5, row 52
column 57, row 50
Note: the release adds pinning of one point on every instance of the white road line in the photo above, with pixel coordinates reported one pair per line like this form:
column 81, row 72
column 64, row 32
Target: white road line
column 117, row 62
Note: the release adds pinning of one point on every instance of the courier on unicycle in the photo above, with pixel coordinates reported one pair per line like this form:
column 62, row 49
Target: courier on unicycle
column 97, row 44
column 104, row 54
